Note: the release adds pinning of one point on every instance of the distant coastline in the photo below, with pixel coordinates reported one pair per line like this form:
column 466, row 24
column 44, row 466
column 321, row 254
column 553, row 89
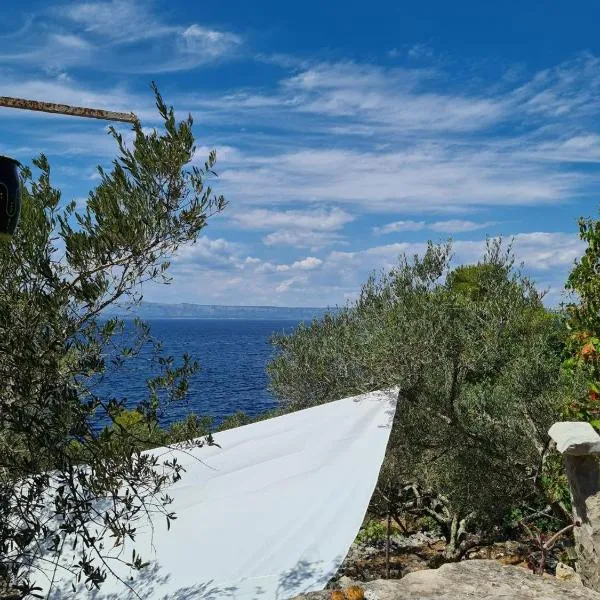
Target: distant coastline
column 157, row 310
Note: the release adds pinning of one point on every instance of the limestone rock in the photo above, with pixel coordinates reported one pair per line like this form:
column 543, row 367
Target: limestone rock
column 575, row 438
column 345, row 582
column 470, row 580
column 584, row 480
column 566, row 573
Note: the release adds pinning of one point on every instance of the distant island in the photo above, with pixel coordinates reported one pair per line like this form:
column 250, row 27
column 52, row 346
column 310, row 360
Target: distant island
column 157, row 310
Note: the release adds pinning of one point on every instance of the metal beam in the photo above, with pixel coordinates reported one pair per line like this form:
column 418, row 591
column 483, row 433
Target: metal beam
column 64, row 109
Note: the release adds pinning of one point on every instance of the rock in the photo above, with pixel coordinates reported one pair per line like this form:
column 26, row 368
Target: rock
column 470, row 580
column 583, row 473
column 580, row 444
column 575, row 438
column 416, row 540
column 344, row 582
column 566, row 573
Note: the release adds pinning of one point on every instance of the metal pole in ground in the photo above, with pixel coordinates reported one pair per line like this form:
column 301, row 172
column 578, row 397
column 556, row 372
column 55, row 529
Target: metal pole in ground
column 387, row 545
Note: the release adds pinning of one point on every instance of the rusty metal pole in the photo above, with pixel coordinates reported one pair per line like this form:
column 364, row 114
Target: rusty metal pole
column 388, row 532
column 65, row 109
column 10, row 202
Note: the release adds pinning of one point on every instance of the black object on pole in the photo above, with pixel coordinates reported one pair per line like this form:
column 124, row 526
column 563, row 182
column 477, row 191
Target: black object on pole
column 10, row 197
column 10, row 190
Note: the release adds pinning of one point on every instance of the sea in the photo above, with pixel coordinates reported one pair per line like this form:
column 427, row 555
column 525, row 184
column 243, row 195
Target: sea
column 233, row 354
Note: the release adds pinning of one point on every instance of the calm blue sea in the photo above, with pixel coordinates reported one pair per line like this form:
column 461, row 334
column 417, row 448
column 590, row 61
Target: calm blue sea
column 232, row 353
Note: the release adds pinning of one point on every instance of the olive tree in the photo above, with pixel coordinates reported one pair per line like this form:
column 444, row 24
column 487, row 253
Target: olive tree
column 477, row 359
column 64, row 266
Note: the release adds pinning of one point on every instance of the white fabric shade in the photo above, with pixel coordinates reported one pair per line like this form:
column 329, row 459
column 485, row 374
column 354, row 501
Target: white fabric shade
column 270, row 514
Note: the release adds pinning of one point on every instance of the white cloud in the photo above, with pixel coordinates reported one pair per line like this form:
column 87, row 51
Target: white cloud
column 315, row 240
column 392, row 97
column 72, row 42
column 329, row 144
column 458, row 226
column 443, row 170
column 400, row 226
column 216, row 252
column 430, row 178
column 549, row 255
column 581, row 148
column 116, row 36
column 312, row 229
column 113, row 20
column 450, row 226
column 306, row 220
column 219, row 271
column 568, row 91
column 307, row 264
column 545, row 251
column 420, row 51
column 285, row 286
column 201, row 41
column 381, row 141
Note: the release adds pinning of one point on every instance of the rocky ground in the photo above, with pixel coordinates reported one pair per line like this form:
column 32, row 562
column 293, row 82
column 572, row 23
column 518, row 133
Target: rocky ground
column 466, row 580
column 366, row 561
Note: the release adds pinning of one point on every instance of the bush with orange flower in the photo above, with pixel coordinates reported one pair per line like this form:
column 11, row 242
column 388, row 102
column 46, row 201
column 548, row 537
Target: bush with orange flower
column 583, row 346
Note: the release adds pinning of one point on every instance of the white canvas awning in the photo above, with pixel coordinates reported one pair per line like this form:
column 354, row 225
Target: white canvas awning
column 270, row 514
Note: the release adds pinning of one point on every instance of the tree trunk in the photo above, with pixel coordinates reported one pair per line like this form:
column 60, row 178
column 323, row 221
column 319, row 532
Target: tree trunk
column 457, row 543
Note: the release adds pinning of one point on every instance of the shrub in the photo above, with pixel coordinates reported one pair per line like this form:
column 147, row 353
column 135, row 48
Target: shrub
column 477, row 359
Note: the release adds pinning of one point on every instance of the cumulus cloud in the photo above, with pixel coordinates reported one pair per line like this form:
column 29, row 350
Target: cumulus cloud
column 220, row 271
column 307, row 264
column 311, row 162
column 311, row 228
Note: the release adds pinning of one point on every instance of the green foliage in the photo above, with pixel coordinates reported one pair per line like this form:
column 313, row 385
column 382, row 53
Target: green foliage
column 190, row 428
column 372, row 531
column 476, row 282
column 477, row 359
column 236, row 420
column 134, row 431
column 63, row 267
column 429, row 524
column 582, row 359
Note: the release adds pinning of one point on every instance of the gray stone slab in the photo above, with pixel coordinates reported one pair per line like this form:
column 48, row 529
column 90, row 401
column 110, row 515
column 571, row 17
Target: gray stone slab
column 575, row 438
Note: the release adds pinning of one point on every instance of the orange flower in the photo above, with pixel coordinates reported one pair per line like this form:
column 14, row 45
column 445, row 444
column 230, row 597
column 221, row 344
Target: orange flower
column 354, row 592
column 594, row 396
column 588, row 349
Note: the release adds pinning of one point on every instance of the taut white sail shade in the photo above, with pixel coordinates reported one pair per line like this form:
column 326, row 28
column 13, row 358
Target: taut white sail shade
column 268, row 515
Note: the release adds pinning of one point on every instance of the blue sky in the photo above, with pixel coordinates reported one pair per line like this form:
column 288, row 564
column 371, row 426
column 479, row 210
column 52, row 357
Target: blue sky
column 346, row 133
